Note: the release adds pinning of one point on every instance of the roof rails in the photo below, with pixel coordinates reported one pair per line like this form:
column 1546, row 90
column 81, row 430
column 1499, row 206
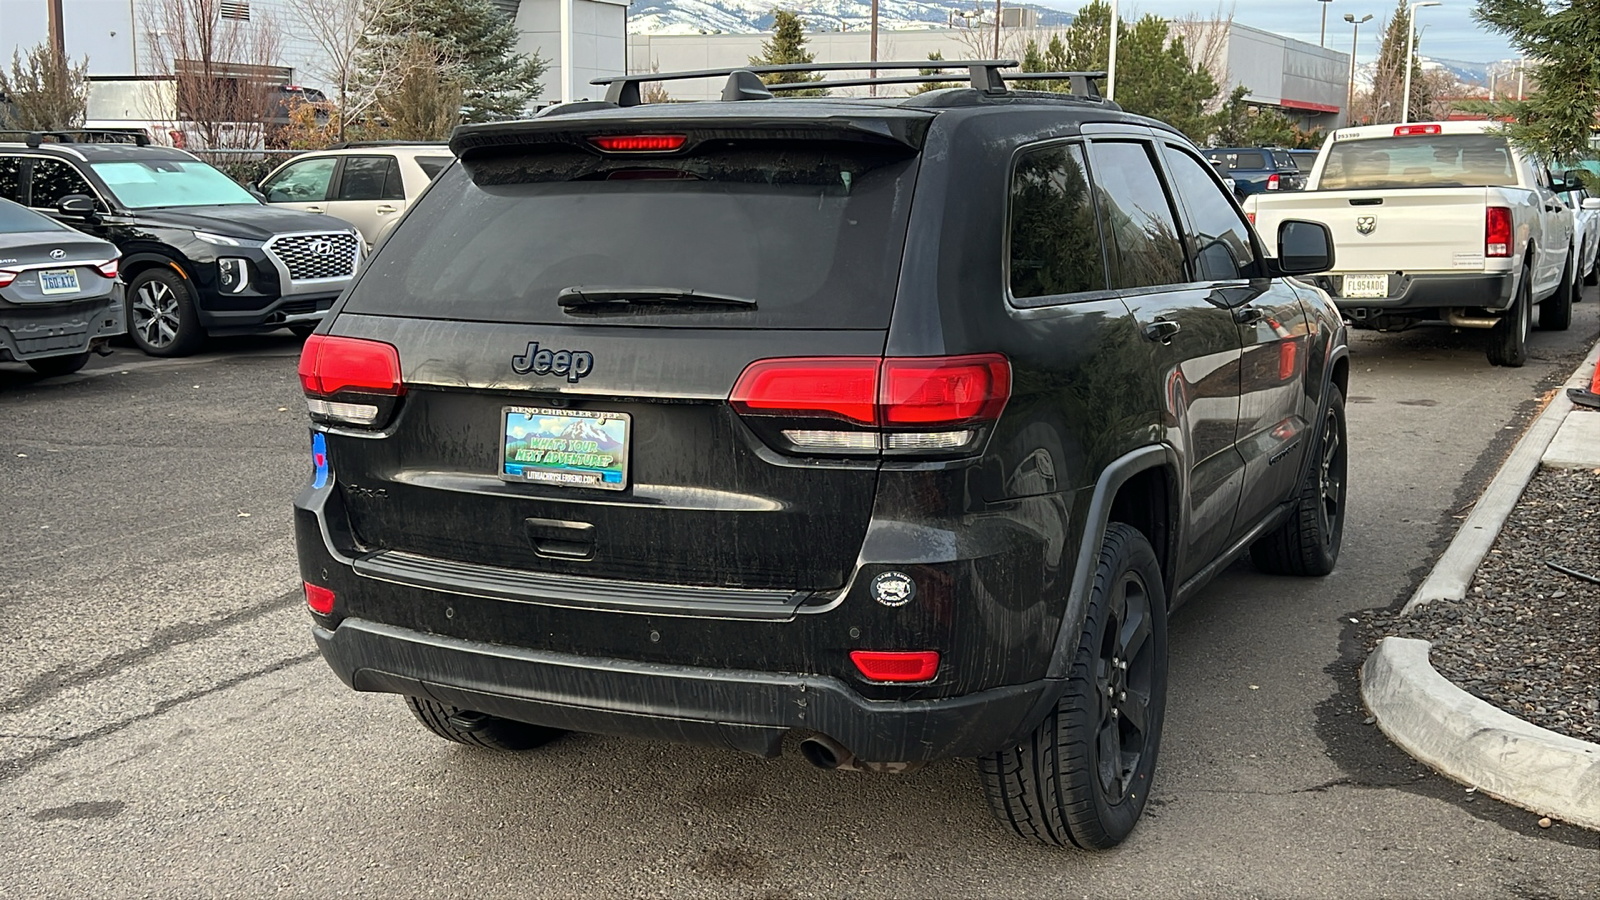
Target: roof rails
column 744, row 82
column 35, row 139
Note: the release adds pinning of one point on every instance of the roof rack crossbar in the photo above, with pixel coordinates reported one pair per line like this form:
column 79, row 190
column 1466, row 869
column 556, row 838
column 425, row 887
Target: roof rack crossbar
column 1084, row 84
column 35, row 137
column 983, row 75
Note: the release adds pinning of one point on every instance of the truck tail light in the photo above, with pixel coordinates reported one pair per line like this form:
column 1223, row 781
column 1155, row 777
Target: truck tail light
column 1497, row 232
column 1274, row 182
column 901, row 405
column 1414, row 130
column 350, row 381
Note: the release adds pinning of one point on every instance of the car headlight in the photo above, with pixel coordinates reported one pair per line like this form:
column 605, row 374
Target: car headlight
column 222, row 240
column 233, row 274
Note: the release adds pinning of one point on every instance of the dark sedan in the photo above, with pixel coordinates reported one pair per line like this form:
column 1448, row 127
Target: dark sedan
column 59, row 294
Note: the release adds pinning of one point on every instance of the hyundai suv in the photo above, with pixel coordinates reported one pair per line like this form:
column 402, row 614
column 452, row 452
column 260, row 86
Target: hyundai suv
column 200, row 255
column 896, row 426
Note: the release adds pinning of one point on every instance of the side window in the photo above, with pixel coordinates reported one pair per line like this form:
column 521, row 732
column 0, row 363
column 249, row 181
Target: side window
column 432, row 165
column 11, row 178
column 394, row 187
column 366, row 177
column 1219, row 241
column 301, row 182
column 1146, row 249
column 54, row 179
column 1055, row 242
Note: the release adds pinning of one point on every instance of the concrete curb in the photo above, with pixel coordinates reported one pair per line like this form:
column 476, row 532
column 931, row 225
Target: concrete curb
column 1475, row 743
column 1452, row 574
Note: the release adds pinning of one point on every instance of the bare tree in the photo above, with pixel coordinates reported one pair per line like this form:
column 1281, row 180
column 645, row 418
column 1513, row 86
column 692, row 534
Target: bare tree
column 339, row 28
column 422, row 99
column 42, row 94
column 224, row 69
column 1206, row 39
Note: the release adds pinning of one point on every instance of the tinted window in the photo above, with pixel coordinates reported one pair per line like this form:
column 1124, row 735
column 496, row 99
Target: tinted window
column 15, row 219
column 302, row 182
column 54, row 179
column 1439, row 160
column 1220, row 241
column 432, row 165
column 1137, row 216
column 366, row 177
column 1055, row 242
column 1284, row 161
column 813, row 233
column 11, row 179
column 1236, row 160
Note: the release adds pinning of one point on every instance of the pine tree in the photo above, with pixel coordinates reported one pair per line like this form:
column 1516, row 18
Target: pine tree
column 42, row 94
column 788, row 47
column 474, row 45
column 1558, row 120
column 931, row 85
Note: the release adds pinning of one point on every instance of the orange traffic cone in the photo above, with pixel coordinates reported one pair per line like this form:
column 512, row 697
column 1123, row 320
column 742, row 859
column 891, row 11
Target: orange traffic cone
column 1591, row 397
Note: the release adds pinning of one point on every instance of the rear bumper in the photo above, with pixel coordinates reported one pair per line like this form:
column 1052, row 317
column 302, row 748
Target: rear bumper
column 59, row 329
column 1416, row 293
column 749, row 711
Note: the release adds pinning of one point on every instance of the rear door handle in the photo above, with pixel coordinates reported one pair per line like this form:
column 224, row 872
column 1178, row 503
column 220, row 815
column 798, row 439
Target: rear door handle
column 384, row 209
column 1248, row 315
column 315, row 209
column 1162, row 330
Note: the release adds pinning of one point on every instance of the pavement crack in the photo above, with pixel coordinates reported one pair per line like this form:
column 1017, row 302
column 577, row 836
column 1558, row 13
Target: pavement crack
column 64, row 677
column 12, row 769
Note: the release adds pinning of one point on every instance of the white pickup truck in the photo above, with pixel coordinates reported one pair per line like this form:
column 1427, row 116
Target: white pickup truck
column 1438, row 221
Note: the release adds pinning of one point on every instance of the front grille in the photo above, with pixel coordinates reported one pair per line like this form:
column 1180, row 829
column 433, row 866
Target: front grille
column 312, row 256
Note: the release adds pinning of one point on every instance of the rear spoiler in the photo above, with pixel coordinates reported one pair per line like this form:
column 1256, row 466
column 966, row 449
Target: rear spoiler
column 888, row 126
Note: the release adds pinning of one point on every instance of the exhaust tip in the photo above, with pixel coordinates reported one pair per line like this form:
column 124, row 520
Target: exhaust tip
column 823, row 753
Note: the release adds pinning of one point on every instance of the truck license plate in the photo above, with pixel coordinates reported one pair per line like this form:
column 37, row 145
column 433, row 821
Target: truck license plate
column 1366, row 285
column 58, row 281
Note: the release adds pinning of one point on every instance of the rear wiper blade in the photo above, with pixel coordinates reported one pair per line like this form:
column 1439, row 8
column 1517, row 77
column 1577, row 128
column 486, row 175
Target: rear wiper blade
column 582, row 295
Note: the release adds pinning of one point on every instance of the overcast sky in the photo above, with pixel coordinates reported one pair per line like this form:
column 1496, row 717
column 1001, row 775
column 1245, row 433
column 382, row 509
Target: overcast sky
column 1447, row 31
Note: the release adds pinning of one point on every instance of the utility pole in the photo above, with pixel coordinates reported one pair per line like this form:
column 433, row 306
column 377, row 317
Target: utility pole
column 1411, row 49
column 1111, row 69
column 996, row 29
column 1355, row 34
column 1323, row 41
column 1520, row 63
column 873, row 89
column 58, row 43
column 568, row 72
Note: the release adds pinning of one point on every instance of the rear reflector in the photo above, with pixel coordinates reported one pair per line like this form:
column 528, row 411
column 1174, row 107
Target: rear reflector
column 329, row 365
column 1410, row 130
column 109, row 269
column 880, row 665
column 320, row 599
column 639, row 143
column 1497, row 232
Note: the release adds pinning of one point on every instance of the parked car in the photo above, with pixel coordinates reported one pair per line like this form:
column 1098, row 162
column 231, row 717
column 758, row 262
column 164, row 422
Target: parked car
column 1228, row 183
column 1440, row 221
column 1258, row 169
column 368, row 184
column 1304, row 160
column 60, row 298
column 200, row 255
column 1586, row 227
column 715, row 422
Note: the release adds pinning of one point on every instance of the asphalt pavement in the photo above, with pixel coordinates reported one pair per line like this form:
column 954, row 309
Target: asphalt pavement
column 167, row 730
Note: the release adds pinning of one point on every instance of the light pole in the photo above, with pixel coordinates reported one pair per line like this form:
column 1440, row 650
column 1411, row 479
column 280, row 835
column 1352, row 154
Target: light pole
column 1111, row 68
column 1411, row 49
column 1355, row 35
column 1323, row 41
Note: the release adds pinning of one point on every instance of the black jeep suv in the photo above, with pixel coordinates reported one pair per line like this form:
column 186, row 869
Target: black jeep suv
column 200, row 255
column 899, row 426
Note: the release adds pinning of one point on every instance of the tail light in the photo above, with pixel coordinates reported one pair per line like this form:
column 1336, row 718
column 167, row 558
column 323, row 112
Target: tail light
column 6, row 277
column 639, row 143
column 1251, row 217
column 1497, row 232
column 350, row 381
column 1274, row 182
column 899, row 666
column 1413, row 130
column 108, row 269
column 939, row 405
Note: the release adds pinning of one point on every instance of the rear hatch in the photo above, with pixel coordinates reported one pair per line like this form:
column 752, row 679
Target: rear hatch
column 1415, row 230
column 572, row 306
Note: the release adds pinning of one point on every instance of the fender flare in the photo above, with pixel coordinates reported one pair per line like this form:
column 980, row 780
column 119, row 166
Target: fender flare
column 1339, row 351
column 160, row 259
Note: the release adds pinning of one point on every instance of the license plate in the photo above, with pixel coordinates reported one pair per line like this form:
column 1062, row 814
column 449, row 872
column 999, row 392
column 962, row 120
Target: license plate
column 58, row 281
column 1366, row 285
column 565, row 447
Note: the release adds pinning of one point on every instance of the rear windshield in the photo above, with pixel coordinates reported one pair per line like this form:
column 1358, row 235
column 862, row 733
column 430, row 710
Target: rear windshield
column 814, row 235
column 1438, row 160
column 16, row 219
column 1245, row 160
column 431, row 166
column 1284, row 161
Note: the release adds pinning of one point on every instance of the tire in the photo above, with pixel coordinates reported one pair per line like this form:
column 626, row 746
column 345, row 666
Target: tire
column 1593, row 277
column 1555, row 314
column 1307, row 543
column 161, row 315
column 53, row 366
column 477, row 729
column 1060, row 785
column 1508, row 341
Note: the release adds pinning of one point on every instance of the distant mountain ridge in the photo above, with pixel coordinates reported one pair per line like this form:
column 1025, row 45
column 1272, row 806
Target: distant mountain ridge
column 754, row 16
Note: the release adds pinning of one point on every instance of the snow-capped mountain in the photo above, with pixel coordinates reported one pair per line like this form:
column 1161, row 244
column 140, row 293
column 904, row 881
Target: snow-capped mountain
column 751, row 16
column 1464, row 73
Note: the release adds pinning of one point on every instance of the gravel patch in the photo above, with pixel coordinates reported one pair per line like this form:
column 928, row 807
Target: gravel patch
column 1527, row 637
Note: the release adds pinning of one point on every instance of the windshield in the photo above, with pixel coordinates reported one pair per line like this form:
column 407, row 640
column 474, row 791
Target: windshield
column 1439, row 160
column 145, row 184
column 14, row 219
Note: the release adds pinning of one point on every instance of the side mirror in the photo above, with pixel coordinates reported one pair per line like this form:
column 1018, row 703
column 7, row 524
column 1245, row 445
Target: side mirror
column 1304, row 248
column 255, row 191
column 1573, row 178
column 1591, row 203
column 80, row 205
